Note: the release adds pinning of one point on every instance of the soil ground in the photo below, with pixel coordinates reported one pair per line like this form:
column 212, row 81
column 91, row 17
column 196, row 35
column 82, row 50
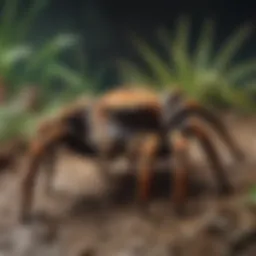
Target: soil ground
column 86, row 225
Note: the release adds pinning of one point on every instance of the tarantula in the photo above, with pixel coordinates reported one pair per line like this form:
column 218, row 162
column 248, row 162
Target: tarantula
column 110, row 126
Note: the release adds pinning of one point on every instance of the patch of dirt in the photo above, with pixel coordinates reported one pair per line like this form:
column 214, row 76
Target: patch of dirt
column 87, row 223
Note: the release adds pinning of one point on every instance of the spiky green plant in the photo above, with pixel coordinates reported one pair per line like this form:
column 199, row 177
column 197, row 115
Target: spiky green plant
column 14, row 50
column 18, row 121
column 13, row 116
column 204, row 74
column 38, row 69
column 39, row 65
column 21, row 63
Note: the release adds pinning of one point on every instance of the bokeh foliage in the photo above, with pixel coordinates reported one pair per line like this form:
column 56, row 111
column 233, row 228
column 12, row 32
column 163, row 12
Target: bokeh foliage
column 209, row 75
column 203, row 73
column 24, row 65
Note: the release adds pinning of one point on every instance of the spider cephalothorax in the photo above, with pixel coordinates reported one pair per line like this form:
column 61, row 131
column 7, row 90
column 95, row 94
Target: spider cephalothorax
column 134, row 122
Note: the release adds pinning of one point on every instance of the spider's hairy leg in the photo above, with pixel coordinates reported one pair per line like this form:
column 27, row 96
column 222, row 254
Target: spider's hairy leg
column 147, row 157
column 192, row 108
column 38, row 149
column 198, row 131
column 133, row 148
column 179, row 144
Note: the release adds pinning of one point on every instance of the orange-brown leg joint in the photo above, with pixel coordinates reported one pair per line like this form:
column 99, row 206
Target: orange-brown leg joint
column 27, row 186
column 146, row 159
column 132, row 149
column 37, row 150
column 180, row 173
column 219, row 127
column 200, row 133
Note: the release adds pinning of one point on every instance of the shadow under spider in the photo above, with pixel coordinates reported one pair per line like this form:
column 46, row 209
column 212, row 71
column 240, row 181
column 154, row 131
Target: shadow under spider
column 125, row 187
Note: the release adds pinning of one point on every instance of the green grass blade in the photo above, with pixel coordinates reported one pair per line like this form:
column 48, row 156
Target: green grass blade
column 11, row 57
column 28, row 20
column 12, row 116
column 180, row 52
column 166, row 40
column 240, row 71
column 204, row 46
column 161, row 71
column 51, row 50
column 236, row 98
column 67, row 75
column 131, row 73
column 38, row 65
column 232, row 46
column 77, row 82
column 181, row 42
column 8, row 16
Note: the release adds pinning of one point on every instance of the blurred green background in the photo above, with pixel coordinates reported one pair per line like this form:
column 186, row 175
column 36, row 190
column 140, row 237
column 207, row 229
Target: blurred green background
column 67, row 48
